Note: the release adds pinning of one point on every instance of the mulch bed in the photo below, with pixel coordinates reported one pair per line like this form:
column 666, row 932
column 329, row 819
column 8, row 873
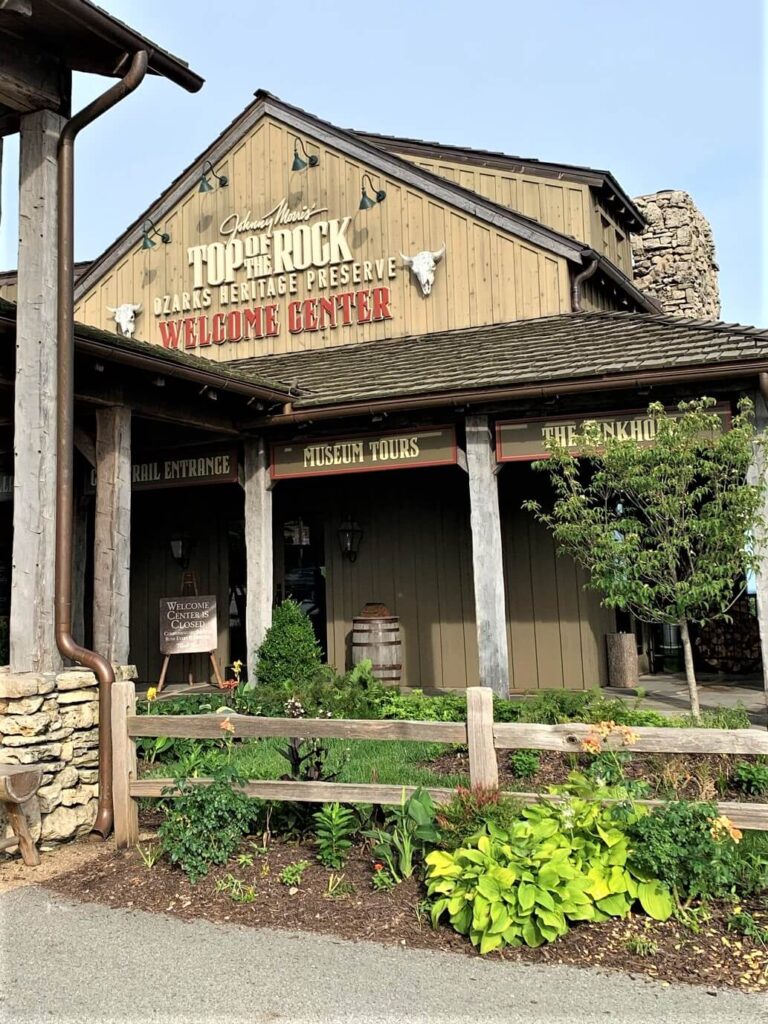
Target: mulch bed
column 715, row 957
column 686, row 776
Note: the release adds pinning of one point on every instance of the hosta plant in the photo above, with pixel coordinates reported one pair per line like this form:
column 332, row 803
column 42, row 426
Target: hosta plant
column 557, row 864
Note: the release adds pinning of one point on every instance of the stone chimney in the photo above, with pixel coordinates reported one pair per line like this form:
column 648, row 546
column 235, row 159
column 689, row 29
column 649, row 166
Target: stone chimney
column 674, row 258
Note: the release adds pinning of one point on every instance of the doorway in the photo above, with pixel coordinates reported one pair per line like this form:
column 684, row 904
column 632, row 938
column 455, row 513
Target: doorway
column 300, row 571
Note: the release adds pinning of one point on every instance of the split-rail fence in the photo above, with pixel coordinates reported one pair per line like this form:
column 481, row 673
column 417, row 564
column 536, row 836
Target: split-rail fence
column 480, row 733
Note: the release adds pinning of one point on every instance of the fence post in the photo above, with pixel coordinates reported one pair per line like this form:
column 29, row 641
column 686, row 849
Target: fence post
column 124, row 765
column 483, row 767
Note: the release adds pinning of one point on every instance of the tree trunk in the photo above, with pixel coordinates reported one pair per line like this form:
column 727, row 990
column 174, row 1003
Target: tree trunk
column 690, row 674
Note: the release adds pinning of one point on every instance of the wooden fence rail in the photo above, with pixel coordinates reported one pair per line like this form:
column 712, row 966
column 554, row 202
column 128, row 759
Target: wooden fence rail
column 481, row 734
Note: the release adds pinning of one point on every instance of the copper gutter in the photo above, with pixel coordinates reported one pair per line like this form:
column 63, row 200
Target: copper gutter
column 65, row 378
column 512, row 393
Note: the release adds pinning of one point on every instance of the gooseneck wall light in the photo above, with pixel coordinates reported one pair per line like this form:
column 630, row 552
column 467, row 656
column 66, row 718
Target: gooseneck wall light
column 308, row 160
column 365, row 200
column 205, row 184
column 148, row 232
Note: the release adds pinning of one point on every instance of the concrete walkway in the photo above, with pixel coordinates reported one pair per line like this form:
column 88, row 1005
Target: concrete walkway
column 74, row 963
column 669, row 695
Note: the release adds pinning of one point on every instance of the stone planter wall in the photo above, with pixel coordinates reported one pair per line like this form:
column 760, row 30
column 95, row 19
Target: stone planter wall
column 53, row 721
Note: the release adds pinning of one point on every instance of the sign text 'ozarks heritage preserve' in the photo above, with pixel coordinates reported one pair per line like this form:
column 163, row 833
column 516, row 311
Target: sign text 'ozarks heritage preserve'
column 258, row 265
column 365, row 453
column 525, row 440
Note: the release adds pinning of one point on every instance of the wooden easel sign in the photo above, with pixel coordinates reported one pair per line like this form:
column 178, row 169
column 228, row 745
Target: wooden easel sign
column 188, row 626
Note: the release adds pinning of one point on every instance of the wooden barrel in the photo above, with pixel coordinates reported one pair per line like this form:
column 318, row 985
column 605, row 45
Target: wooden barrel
column 376, row 638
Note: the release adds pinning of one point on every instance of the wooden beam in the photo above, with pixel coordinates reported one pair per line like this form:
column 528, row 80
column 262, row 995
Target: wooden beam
column 185, row 414
column 32, row 638
column 305, row 792
column 569, row 738
column 86, row 445
column 32, row 81
column 487, row 557
column 112, row 535
column 124, row 770
column 256, row 727
column 258, row 547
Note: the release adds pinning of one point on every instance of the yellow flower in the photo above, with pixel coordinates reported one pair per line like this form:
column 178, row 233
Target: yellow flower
column 152, row 693
column 591, row 745
column 628, row 736
column 226, row 726
column 723, row 826
column 605, row 728
column 237, row 666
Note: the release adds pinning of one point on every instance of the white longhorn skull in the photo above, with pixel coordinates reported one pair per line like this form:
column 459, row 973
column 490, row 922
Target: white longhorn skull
column 125, row 317
column 423, row 267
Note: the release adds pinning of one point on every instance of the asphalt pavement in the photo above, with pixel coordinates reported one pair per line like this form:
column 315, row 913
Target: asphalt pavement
column 76, row 963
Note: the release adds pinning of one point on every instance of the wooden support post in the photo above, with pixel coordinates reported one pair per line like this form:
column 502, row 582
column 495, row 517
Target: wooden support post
column 124, row 771
column 758, row 471
column 32, row 635
column 258, row 545
column 483, row 766
column 112, row 540
column 487, row 558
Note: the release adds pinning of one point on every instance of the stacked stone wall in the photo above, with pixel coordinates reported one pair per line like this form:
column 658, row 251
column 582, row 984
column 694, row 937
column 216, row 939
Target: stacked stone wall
column 52, row 721
column 674, row 258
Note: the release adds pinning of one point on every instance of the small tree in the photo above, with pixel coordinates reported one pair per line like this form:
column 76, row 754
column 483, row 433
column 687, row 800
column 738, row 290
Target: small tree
column 290, row 654
column 667, row 530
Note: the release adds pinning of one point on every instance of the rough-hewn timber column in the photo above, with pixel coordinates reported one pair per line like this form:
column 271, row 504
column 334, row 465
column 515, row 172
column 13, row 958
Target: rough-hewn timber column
column 112, row 539
column 32, row 637
column 487, row 562
column 258, row 546
column 758, row 470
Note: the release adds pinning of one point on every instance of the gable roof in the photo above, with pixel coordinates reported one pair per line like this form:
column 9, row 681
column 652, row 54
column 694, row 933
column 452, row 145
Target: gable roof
column 381, row 161
column 607, row 348
column 602, row 181
column 155, row 358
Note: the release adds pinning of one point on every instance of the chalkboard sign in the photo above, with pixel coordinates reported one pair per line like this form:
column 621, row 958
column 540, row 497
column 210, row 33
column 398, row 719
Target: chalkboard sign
column 188, row 625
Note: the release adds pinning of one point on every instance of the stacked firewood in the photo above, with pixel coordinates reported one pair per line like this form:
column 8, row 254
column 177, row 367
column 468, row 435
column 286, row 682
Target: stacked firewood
column 732, row 646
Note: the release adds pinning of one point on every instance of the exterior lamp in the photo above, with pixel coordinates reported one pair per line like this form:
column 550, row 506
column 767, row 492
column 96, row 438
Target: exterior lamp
column 181, row 550
column 299, row 164
column 350, row 535
column 365, row 200
column 205, row 185
column 146, row 235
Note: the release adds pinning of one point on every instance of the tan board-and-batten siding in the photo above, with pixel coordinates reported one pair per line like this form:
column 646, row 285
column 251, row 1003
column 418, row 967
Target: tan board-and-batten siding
column 487, row 276
column 567, row 206
column 416, row 558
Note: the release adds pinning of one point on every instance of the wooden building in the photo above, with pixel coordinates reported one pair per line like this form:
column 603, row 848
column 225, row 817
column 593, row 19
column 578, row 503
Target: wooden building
column 314, row 331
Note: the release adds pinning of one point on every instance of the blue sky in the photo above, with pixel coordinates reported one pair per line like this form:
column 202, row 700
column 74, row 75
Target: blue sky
column 664, row 93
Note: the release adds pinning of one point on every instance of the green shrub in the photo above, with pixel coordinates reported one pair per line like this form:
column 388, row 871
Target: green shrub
column 335, row 827
column 554, row 865
column 524, row 763
column 204, row 824
column 751, row 868
column 470, row 812
column 683, row 843
column 290, row 654
column 417, row 706
column 408, row 830
column 752, row 776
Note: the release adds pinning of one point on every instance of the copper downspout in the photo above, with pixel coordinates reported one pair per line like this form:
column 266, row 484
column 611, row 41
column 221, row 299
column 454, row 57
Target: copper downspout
column 65, row 378
column 578, row 280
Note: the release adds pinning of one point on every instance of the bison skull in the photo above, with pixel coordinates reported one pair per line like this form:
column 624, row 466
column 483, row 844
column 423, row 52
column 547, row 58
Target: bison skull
column 125, row 317
column 423, row 266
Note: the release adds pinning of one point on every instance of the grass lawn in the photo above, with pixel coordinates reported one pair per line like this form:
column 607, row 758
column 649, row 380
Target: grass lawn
column 388, row 762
